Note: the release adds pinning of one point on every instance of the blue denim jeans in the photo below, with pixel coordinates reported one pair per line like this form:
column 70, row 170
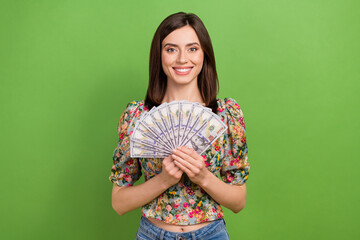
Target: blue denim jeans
column 216, row 230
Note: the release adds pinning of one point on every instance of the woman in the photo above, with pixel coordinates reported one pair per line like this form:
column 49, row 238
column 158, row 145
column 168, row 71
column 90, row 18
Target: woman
column 182, row 194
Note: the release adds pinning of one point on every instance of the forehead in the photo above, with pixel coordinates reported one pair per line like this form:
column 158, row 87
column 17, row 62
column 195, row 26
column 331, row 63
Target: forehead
column 182, row 36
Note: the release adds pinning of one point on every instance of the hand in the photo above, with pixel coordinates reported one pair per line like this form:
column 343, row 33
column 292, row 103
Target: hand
column 170, row 172
column 191, row 163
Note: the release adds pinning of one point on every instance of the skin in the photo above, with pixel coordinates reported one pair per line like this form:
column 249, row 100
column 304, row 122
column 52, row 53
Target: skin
column 181, row 48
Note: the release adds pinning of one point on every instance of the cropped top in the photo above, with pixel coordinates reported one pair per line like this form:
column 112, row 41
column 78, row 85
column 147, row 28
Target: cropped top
column 184, row 203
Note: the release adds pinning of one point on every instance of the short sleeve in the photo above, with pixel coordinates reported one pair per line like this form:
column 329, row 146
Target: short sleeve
column 125, row 170
column 235, row 168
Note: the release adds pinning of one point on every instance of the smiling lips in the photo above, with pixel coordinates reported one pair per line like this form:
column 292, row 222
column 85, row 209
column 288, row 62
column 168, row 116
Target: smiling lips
column 182, row 70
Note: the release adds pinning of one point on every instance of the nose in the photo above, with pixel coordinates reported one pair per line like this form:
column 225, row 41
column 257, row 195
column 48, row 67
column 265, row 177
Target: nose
column 182, row 58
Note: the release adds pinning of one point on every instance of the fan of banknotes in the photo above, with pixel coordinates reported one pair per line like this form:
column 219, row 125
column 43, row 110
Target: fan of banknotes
column 178, row 123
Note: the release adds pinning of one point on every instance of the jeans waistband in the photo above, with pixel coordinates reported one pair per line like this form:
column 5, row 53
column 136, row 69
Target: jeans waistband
column 159, row 233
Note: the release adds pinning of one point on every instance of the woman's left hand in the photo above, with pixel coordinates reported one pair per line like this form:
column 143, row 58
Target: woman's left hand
column 191, row 163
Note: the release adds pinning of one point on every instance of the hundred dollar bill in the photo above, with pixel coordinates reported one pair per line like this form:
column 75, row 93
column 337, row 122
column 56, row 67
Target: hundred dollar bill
column 149, row 123
column 146, row 129
column 197, row 123
column 139, row 150
column 164, row 113
column 146, row 146
column 160, row 118
column 202, row 137
column 142, row 135
column 173, row 112
column 178, row 123
column 196, row 118
column 186, row 109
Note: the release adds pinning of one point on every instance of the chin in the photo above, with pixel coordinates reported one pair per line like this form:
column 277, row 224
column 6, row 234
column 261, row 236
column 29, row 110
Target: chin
column 183, row 81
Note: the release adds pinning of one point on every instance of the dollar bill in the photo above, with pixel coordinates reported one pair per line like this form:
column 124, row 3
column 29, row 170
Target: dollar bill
column 142, row 135
column 204, row 135
column 178, row 123
column 150, row 146
column 196, row 118
column 148, row 129
column 161, row 116
column 173, row 112
column 139, row 150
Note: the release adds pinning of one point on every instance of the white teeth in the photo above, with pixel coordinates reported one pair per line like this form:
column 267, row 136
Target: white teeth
column 182, row 69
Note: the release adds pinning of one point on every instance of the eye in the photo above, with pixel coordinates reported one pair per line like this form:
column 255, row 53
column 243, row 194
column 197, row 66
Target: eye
column 170, row 50
column 193, row 49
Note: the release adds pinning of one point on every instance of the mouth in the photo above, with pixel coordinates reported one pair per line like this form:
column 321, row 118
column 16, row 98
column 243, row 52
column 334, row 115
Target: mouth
column 182, row 70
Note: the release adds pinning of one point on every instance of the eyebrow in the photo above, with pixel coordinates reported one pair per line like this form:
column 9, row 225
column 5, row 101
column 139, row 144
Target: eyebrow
column 189, row 44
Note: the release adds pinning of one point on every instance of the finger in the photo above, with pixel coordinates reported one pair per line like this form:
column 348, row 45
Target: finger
column 179, row 173
column 166, row 160
column 180, row 154
column 171, row 165
column 176, row 167
column 173, row 171
column 179, row 170
column 195, row 169
column 189, row 169
column 166, row 163
column 191, row 153
column 183, row 162
column 184, row 169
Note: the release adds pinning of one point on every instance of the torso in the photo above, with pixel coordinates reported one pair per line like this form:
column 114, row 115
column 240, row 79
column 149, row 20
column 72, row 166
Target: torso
column 177, row 228
column 176, row 198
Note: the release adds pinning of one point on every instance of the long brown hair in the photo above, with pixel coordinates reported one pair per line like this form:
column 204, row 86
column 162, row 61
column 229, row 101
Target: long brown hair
column 207, row 79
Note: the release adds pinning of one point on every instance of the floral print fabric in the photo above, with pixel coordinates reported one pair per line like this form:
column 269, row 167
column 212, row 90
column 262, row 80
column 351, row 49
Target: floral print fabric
column 185, row 203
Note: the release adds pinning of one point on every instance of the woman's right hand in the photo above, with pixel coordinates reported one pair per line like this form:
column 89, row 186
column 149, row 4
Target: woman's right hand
column 170, row 173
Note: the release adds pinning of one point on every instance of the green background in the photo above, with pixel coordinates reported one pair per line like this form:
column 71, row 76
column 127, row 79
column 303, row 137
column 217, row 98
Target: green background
column 68, row 69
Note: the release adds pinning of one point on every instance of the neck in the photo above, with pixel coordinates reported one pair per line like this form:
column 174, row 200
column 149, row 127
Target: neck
column 178, row 92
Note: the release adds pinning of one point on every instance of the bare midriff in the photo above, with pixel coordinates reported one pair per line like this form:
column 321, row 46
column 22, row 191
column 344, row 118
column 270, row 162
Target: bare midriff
column 177, row 228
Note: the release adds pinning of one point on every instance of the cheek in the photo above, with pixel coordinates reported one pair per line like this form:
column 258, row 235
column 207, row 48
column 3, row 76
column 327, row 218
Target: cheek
column 165, row 64
column 199, row 59
column 166, row 60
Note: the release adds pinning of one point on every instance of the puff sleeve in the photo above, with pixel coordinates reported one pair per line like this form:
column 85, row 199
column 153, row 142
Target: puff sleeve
column 125, row 170
column 235, row 168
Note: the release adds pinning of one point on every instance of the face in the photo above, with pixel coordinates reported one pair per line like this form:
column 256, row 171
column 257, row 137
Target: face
column 198, row 140
column 182, row 56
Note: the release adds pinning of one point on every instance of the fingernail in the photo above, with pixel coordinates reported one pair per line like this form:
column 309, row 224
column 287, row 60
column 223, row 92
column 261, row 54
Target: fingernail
column 174, row 150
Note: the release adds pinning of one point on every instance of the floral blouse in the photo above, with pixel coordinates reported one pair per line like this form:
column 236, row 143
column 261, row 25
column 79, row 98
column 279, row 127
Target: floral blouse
column 184, row 203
